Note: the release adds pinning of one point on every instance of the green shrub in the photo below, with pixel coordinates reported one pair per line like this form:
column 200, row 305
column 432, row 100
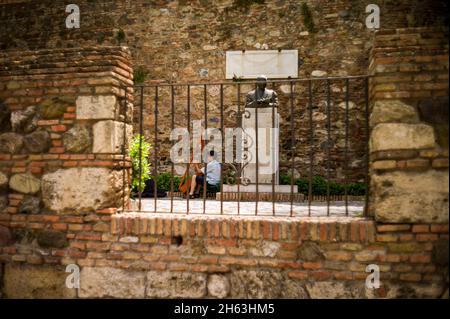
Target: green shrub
column 356, row 189
column 134, row 154
column 285, row 179
column 163, row 181
column 319, row 186
column 139, row 75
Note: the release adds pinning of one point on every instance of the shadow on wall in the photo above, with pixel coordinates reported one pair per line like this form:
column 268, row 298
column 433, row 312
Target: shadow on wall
column 435, row 112
column 5, row 114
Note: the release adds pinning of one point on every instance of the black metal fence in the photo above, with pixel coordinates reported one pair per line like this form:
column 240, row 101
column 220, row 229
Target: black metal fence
column 323, row 131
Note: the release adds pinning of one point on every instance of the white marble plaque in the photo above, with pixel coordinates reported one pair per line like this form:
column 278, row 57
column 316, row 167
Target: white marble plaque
column 272, row 63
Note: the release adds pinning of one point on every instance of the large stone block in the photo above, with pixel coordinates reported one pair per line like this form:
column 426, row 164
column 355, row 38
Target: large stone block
column 77, row 139
column 81, row 189
column 265, row 249
column 393, row 111
column 108, row 136
column 25, row 183
column 24, row 121
column 310, row 251
column 106, row 282
column 43, row 282
column 411, row 197
column 175, row 285
column 52, row 238
column 54, row 108
column 96, row 107
column 218, row 286
column 413, row 290
column 335, row 290
column 396, row 136
column 30, row 205
column 37, row 142
column 265, row 284
column 11, row 143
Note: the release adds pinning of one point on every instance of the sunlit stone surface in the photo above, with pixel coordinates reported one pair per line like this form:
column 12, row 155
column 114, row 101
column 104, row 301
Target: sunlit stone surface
column 196, row 206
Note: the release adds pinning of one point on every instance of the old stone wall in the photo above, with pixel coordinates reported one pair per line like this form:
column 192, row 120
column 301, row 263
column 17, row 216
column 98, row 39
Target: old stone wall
column 409, row 122
column 175, row 40
column 62, row 115
column 60, row 184
column 186, row 41
column 162, row 256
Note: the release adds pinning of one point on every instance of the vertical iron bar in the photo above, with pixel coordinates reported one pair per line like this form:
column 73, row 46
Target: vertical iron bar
column 272, row 153
column 223, row 146
column 239, row 118
column 257, row 156
column 155, row 190
column 125, row 182
column 172, row 169
column 189, row 131
column 206, row 163
column 328, row 146
column 311, row 143
column 292, row 146
column 366, row 100
column 141, row 112
column 346, row 146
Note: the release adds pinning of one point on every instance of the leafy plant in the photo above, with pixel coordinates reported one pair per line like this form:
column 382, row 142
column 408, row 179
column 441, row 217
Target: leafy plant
column 163, row 181
column 319, row 186
column 135, row 151
column 307, row 18
column 139, row 75
column 120, row 36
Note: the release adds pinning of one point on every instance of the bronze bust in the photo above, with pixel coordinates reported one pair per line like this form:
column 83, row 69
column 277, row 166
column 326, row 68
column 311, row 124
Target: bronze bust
column 261, row 97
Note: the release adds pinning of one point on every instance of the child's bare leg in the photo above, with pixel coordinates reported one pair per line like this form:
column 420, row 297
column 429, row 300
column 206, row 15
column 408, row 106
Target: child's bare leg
column 191, row 192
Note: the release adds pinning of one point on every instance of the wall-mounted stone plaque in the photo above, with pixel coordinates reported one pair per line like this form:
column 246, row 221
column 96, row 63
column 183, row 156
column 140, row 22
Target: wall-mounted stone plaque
column 273, row 63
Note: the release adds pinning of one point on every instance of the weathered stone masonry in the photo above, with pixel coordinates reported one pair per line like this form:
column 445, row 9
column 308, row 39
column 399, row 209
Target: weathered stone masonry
column 62, row 130
column 409, row 122
column 169, row 40
column 60, row 110
column 46, row 222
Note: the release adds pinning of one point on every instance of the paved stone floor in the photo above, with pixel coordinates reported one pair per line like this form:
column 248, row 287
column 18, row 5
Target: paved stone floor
column 318, row 209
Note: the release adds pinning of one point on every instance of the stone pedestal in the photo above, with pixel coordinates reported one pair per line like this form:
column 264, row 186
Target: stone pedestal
column 268, row 145
column 268, row 121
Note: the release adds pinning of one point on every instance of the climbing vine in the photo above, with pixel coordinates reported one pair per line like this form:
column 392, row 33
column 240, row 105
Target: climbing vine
column 308, row 20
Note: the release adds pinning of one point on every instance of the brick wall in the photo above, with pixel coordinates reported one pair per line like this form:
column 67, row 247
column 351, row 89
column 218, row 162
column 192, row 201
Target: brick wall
column 59, row 110
column 184, row 256
column 409, row 122
column 231, row 257
column 168, row 40
column 50, row 119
